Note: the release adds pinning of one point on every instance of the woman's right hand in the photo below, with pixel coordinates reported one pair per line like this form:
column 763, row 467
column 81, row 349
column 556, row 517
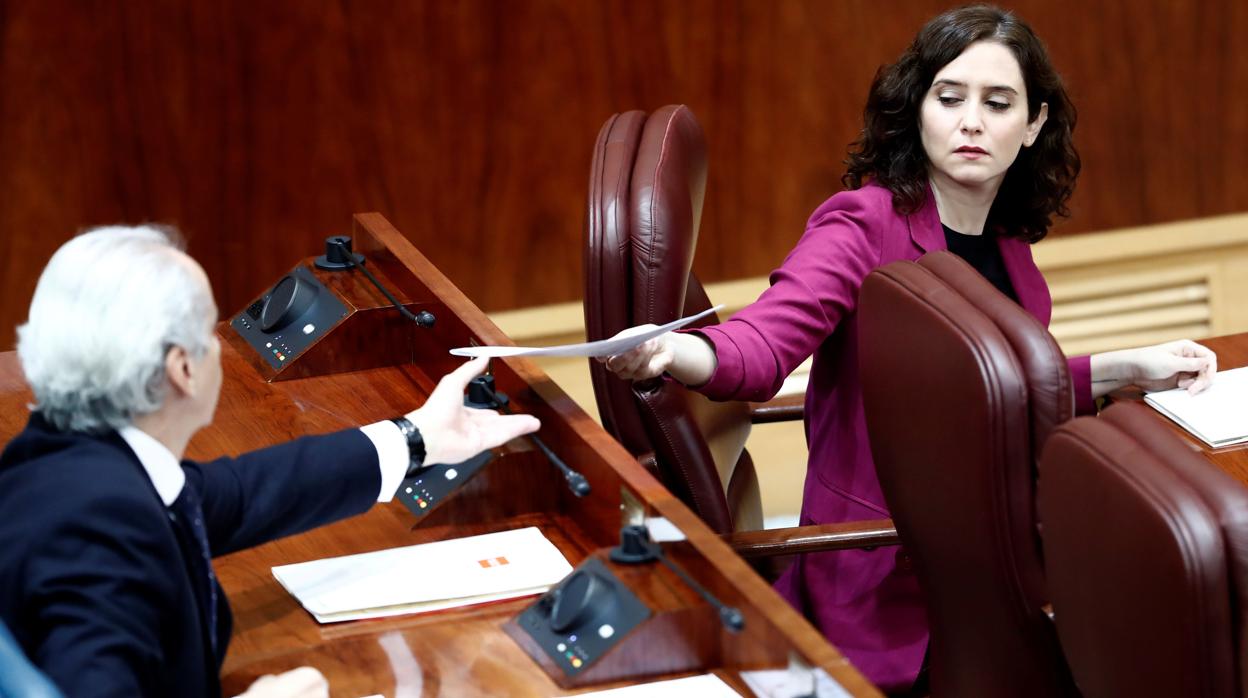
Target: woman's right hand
column 651, row 358
column 689, row 358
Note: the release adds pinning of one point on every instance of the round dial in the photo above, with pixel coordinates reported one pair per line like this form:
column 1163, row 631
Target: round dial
column 290, row 299
column 579, row 598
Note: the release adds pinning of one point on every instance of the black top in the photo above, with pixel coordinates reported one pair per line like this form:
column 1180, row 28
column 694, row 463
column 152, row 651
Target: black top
column 981, row 252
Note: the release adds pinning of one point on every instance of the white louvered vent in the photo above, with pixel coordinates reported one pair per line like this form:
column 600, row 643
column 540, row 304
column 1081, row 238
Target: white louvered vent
column 1102, row 314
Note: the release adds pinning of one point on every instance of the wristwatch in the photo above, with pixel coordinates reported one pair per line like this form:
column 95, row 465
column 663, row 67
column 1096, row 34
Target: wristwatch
column 415, row 444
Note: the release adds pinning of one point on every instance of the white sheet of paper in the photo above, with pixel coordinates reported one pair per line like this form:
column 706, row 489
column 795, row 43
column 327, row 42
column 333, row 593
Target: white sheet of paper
column 425, row 606
column 783, row 683
column 1218, row 416
column 433, row 576
column 601, row 348
column 704, row 686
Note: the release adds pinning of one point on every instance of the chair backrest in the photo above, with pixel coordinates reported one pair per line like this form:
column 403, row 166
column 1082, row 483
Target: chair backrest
column 646, row 187
column 1146, row 548
column 960, row 386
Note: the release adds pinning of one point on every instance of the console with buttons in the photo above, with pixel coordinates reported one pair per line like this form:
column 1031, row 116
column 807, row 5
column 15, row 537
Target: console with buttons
column 422, row 492
column 580, row 620
column 608, row 621
column 290, row 318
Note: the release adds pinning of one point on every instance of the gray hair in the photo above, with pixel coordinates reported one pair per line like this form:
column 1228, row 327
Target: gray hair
column 108, row 308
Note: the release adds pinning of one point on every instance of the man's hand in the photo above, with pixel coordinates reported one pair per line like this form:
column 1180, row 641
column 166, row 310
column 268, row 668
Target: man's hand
column 454, row 433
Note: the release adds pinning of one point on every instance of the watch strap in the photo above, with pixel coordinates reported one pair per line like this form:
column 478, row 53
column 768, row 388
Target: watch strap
column 415, row 443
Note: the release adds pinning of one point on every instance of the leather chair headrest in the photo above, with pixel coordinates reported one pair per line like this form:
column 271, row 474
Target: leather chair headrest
column 1146, row 545
column 1051, row 397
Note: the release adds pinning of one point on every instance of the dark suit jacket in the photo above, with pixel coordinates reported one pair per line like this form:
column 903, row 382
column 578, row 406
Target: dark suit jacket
column 94, row 579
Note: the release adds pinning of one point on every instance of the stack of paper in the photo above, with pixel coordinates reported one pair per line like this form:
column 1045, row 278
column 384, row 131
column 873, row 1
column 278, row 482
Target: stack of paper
column 427, row 577
column 793, row 683
column 1218, row 416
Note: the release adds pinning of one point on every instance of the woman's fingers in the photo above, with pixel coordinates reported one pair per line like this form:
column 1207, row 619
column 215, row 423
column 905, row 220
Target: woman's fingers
column 639, row 363
column 1200, row 366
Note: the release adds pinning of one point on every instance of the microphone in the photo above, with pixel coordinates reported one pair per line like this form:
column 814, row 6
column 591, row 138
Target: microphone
column 636, row 547
column 481, row 393
column 338, row 256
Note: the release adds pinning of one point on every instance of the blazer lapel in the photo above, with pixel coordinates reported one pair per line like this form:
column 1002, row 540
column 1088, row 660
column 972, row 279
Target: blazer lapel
column 1029, row 285
column 925, row 230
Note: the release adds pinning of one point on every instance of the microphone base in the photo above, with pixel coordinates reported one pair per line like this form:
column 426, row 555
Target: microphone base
column 324, row 262
column 635, row 546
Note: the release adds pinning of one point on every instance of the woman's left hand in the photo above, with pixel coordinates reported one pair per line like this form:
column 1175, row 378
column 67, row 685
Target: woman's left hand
column 1181, row 363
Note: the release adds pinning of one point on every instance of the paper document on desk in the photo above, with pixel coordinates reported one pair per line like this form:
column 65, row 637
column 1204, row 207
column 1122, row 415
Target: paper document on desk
column 704, row 686
column 1218, row 415
column 601, row 348
column 786, row 683
column 429, row 577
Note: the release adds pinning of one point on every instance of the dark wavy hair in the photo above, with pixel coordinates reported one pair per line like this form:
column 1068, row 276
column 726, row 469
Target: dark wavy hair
column 890, row 152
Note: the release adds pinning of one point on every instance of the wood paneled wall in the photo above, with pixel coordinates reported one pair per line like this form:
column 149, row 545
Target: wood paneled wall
column 259, row 127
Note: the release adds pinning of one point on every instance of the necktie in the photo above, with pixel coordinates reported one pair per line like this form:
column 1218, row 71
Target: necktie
column 188, row 508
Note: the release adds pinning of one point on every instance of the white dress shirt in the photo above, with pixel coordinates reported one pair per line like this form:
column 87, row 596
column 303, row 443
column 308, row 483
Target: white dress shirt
column 167, row 477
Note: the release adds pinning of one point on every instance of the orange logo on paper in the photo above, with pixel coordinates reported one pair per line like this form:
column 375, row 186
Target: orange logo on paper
column 493, row 562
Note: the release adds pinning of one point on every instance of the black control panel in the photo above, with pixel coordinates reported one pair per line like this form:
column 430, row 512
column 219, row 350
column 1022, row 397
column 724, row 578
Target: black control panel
column 290, row 317
column 420, row 492
column 582, row 618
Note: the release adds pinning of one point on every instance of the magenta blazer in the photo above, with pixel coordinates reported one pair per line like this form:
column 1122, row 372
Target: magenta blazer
column 865, row 602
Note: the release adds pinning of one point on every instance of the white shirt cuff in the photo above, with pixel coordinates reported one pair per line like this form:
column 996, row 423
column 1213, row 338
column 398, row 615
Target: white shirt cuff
column 393, row 456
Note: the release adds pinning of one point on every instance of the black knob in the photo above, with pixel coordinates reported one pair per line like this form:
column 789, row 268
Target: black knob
column 578, row 600
column 338, row 254
column 481, row 392
column 290, row 299
column 635, row 546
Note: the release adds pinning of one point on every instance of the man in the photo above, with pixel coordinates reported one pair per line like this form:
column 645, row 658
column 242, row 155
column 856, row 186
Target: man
column 105, row 573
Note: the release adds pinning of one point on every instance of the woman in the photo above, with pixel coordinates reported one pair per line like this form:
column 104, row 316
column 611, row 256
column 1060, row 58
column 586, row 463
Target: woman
column 966, row 146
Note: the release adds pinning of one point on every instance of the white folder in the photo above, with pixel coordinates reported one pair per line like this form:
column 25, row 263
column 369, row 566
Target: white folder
column 428, row 577
column 1218, row 415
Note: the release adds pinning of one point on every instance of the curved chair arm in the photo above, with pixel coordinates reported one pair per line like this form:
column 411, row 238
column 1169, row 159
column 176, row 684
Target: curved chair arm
column 813, row 539
column 782, row 409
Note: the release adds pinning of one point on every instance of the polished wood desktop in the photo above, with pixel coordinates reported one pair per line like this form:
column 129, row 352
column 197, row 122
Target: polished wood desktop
column 386, row 369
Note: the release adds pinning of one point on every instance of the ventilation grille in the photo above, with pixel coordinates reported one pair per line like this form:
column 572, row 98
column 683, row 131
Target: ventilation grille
column 1102, row 314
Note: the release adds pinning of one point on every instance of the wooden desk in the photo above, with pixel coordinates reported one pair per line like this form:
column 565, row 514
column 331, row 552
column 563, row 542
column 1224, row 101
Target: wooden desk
column 461, row 652
column 1232, row 351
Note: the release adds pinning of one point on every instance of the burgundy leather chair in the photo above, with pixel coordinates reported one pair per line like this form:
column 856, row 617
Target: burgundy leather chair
column 646, row 188
column 1146, row 551
column 961, row 386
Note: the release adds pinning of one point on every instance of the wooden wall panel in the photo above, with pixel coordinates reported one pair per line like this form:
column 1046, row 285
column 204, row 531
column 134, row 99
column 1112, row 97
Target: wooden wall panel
column 258, row 128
